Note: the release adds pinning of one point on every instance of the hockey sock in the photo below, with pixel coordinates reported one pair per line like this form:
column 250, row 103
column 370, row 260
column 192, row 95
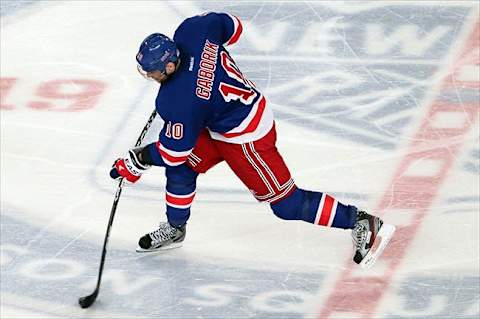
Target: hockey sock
column 180, row 192
column 316, row 208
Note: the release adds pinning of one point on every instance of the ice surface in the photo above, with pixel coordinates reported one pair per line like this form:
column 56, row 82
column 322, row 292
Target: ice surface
column 376, row 103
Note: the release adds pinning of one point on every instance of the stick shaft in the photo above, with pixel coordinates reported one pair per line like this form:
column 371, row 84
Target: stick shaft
column 114, row 206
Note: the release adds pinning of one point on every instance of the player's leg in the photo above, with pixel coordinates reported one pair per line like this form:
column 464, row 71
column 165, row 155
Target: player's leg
column 262, row 169
column 179, row 196
column 315, row 208
column 370, row 235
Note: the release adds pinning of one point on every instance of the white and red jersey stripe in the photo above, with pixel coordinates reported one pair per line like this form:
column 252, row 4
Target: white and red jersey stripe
column 179, row 201
column 254, row 126
column 326, row 211
column 237, row 30
column 172, row 158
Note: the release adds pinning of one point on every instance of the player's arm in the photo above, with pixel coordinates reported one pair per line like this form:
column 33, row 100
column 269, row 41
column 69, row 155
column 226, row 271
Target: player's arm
column 225, row 28
column 232, row 28
column 175, row 143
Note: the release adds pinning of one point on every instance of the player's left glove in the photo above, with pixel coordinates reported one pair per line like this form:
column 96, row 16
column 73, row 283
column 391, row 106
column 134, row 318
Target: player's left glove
column 129, row 167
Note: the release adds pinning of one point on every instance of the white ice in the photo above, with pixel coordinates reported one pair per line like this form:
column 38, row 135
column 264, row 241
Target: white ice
column 352, row 85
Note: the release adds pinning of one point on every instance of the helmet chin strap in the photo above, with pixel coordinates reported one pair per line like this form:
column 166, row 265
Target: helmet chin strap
column 143, row 73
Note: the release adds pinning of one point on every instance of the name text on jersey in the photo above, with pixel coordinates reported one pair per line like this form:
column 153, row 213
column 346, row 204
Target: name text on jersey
column 206, row 72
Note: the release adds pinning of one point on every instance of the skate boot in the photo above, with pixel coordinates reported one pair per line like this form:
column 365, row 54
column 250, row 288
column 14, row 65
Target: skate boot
column 370, row 237
column 165, row 237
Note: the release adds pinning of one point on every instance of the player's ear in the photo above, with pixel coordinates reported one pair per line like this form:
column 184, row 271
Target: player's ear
column 171, row 67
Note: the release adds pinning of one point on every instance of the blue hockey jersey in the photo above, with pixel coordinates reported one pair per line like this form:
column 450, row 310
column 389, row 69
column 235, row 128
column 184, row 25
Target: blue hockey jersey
column 207, row 91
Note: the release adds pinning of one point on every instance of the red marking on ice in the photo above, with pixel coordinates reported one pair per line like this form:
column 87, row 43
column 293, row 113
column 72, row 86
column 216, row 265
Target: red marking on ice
column 67, row 95
column 55, row 93
column 6, row 85
column 361, row 296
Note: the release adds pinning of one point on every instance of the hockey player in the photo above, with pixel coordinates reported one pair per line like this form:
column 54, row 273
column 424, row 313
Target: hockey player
column 213, row 113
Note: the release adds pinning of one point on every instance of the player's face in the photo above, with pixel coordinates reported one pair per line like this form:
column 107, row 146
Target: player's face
column 161, row 77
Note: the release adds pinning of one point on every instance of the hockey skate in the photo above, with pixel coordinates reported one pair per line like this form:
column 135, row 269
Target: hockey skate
column 164, row 238
column 370, row 237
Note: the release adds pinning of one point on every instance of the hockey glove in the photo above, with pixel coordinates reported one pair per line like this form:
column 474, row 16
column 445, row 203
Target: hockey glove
column 129, row 167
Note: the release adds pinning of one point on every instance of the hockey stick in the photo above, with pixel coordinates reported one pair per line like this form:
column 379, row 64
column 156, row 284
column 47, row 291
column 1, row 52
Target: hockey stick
column 87, row 301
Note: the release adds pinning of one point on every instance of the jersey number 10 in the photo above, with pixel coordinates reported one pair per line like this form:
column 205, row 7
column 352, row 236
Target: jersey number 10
column 174, row 130
column 245, row 94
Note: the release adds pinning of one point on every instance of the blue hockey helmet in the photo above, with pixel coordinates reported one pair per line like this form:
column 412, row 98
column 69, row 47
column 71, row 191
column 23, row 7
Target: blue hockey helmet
column 155, row 52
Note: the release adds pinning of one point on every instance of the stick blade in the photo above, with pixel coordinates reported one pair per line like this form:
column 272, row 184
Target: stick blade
column 87, row 301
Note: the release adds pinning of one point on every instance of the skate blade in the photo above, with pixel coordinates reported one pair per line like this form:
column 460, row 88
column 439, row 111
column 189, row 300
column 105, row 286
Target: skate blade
column 383, row 237
column 168, row 247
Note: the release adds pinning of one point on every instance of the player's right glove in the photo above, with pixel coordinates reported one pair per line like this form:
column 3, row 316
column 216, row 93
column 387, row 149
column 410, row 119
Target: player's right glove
column 129, row 167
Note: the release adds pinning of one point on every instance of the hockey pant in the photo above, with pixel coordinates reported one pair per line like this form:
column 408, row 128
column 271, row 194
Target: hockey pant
column 262, row 169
